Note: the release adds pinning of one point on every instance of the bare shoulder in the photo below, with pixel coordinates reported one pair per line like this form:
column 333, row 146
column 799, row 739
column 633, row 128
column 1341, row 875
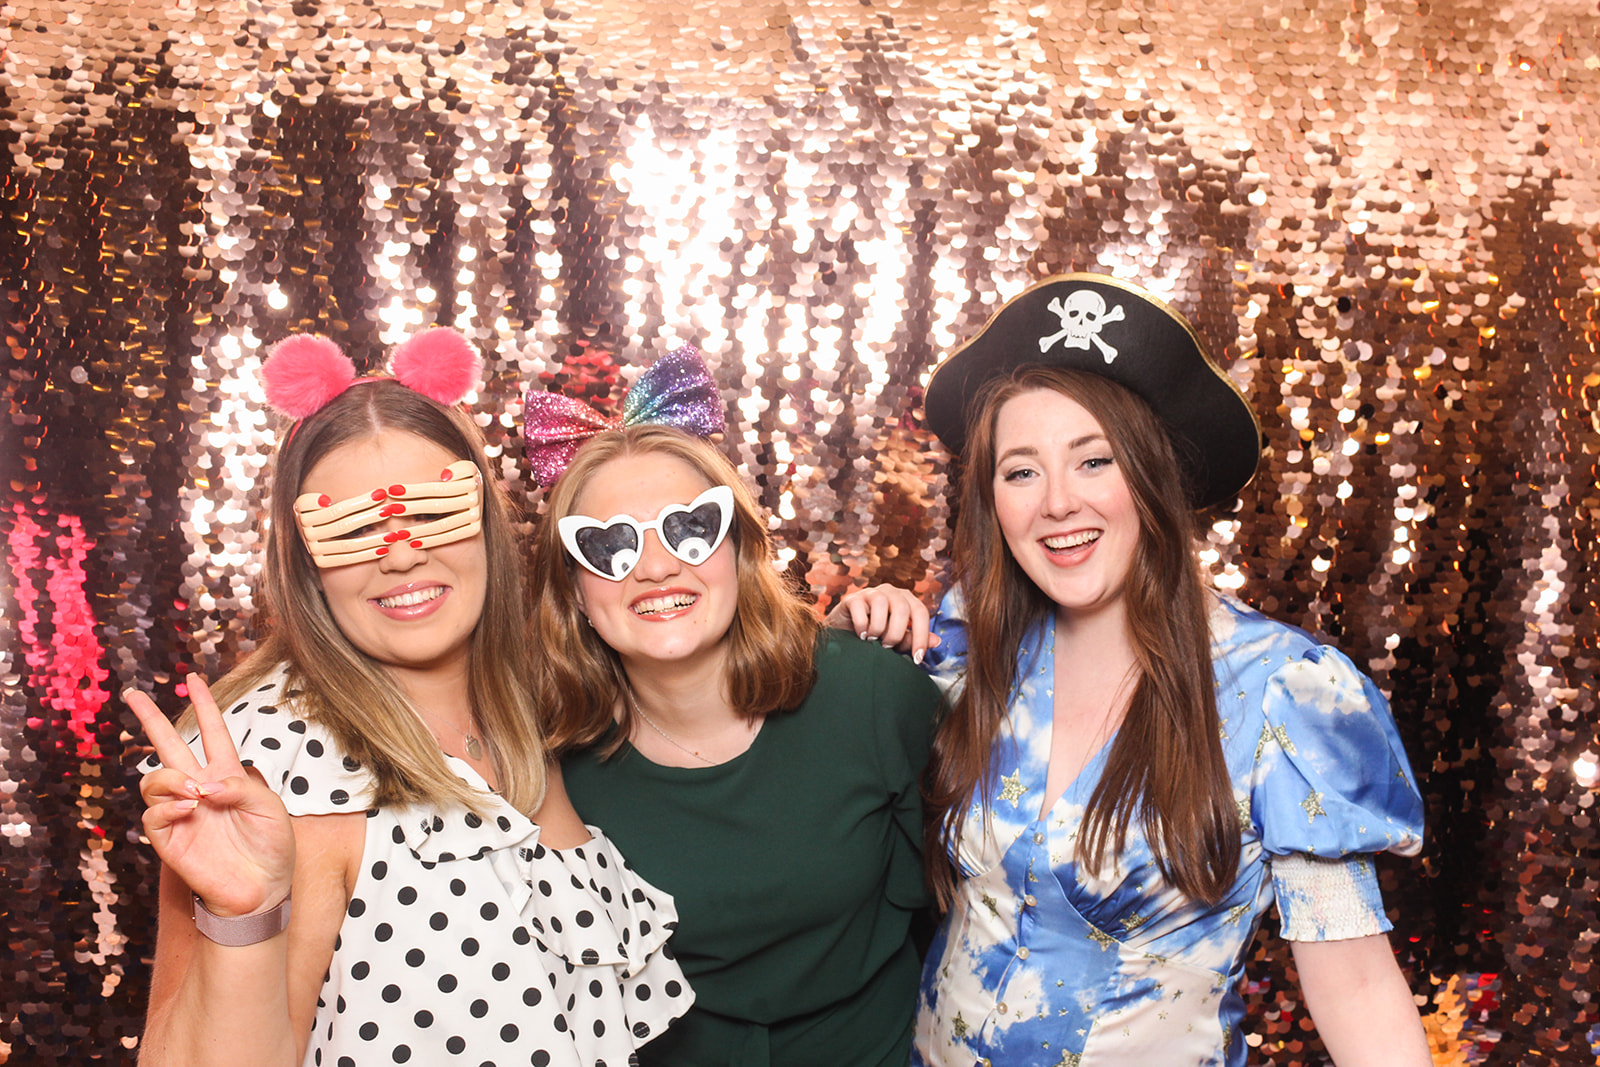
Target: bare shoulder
column 559, row 824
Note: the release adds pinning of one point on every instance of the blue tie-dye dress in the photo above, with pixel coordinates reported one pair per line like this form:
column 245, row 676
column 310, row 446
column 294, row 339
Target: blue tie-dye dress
column 1042, row 962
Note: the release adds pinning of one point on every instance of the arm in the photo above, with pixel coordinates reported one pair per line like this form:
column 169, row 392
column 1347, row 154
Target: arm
column 223, row 834
column 211, row 1004
column 559, row 824
column 1361, row 1003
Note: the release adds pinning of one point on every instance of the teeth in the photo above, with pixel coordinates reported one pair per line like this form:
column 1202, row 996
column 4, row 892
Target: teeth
column 1082, row 537
column 656, row 605
column 408, row 600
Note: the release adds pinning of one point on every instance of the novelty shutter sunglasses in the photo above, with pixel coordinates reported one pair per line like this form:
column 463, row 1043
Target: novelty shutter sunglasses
column 339, row 533
column 691, row 532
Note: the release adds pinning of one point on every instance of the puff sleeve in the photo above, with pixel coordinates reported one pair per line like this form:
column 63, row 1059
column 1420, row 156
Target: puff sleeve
column 946, row 662
column 1330, row 784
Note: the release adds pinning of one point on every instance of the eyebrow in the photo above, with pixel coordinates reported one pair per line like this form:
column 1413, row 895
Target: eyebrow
column 1029, row 450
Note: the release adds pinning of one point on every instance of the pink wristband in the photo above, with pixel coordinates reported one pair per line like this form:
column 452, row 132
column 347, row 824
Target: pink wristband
column 241, row 930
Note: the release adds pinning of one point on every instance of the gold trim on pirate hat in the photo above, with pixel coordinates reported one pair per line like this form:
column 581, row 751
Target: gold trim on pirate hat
column 1095, row 323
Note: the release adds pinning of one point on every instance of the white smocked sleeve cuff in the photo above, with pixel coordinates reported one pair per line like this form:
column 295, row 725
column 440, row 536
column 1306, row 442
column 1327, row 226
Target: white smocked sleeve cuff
column 1328, row 899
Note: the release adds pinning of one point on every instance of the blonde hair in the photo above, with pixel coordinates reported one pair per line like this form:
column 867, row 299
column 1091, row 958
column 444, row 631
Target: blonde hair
column 339, row 687
column 771, row 642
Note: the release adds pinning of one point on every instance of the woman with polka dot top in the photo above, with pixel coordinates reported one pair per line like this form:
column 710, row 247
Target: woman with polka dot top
column 368, row 856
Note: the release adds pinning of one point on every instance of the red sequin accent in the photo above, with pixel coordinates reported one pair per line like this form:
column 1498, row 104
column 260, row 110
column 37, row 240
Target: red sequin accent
column 324, row 500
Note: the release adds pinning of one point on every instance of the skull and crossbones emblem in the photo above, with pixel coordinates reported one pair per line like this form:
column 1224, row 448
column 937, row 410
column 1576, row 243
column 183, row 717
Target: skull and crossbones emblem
column 1083, row 314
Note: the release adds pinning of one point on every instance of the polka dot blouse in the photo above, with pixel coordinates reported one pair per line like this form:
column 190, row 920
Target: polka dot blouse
column 464, row 935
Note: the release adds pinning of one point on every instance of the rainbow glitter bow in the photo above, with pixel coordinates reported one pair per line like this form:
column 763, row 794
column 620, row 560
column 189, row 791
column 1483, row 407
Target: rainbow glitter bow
column 677, row 390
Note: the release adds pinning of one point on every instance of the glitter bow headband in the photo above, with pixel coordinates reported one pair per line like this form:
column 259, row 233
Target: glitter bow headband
column 305, row 372
column 677, row 390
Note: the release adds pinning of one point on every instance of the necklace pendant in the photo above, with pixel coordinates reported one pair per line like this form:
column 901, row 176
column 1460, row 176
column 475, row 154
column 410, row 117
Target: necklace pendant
column 474, row 749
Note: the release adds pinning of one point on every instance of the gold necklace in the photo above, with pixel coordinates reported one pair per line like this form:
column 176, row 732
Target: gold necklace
column 673, row 741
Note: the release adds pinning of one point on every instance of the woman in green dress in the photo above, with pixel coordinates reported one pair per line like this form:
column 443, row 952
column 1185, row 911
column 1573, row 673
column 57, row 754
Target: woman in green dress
column 759, row 768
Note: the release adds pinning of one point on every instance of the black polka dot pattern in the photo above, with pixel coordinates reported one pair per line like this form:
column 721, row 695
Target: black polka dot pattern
column 413, row 977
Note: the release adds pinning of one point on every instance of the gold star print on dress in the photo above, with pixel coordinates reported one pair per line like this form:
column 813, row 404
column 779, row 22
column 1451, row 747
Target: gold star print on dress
column 1012, row 787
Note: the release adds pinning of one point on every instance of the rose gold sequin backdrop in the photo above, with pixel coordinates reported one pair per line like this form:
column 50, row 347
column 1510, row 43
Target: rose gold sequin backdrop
column 1383, row 214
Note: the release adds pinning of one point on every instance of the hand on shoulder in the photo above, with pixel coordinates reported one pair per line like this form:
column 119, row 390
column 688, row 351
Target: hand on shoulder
column 888, row 614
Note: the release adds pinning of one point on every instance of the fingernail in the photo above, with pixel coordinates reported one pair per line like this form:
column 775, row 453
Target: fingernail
column 188, row 805
column 916, row 657
column 861, row 634
column 209, row 788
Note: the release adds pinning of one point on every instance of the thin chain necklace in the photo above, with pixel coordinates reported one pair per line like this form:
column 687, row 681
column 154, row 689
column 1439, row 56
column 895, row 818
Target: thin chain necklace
column 673, row 741
column 474, row 744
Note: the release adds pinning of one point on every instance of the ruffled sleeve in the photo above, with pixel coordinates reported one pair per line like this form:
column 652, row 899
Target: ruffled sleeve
column 600, row 929
column 585, row 903
column 299, row 760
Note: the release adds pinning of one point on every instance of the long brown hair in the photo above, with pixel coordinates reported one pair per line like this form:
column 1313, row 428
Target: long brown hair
column 771, row 642
column 1165, row 765
column 348, row 692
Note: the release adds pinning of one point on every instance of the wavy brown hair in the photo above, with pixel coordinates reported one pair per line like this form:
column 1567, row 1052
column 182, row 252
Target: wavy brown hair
column 1165, row 766
column 771, row 642
column 348, row 692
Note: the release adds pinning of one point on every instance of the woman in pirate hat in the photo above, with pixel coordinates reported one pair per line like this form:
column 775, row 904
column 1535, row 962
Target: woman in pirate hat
column 1134, row 767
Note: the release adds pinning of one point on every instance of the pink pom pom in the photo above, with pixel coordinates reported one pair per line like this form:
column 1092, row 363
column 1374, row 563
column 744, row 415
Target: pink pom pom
column 438, row 363
column 303, row 372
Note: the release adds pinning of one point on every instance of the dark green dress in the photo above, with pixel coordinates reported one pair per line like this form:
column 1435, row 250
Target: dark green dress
column 796, row 868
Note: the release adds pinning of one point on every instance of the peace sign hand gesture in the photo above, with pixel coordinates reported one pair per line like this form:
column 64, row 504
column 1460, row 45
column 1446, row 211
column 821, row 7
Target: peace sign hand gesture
column 217, row 826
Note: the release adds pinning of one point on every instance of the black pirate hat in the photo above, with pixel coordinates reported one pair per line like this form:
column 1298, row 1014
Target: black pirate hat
column 1095, row 323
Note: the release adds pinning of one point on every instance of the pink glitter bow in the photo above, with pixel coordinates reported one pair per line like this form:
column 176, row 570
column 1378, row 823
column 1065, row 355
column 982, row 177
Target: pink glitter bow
column 677, row 390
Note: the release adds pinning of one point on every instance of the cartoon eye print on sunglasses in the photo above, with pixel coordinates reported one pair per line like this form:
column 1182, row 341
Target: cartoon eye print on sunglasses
column 691, row 532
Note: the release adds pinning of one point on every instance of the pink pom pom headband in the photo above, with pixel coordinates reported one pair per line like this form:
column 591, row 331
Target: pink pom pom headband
column 306, row 372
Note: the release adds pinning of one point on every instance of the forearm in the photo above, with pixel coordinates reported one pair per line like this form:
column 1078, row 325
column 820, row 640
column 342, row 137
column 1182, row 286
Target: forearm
column 228, row 1013
column 1361, row 1003
column 215, row 1004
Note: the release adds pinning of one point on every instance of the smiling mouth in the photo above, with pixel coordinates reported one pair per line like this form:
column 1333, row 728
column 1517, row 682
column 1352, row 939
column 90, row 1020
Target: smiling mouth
column 1077, row 540
column 659, row 604
column 412, row 599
